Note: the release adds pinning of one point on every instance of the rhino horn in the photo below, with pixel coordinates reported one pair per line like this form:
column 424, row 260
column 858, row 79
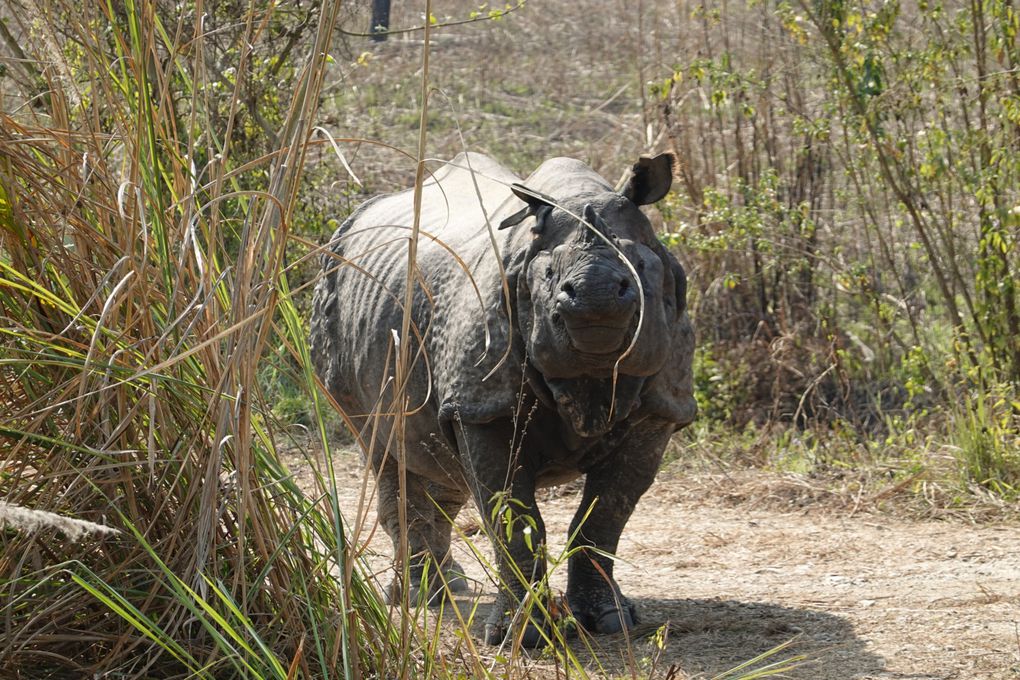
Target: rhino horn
column 588, row 236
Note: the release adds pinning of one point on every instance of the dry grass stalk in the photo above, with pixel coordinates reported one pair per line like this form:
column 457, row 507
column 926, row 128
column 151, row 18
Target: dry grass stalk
column 34, row 521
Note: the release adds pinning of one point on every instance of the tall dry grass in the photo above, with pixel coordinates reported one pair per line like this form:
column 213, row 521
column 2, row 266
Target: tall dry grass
column 142, row 282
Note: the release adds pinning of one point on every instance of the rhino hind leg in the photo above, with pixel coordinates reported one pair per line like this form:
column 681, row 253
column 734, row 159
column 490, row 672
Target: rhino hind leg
column 446, row 507
column 430, row 512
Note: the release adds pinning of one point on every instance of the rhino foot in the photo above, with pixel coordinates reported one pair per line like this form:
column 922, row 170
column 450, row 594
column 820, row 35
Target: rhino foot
column 428, row 587
column 455, row 579
column 614, row 616
column 498, row 627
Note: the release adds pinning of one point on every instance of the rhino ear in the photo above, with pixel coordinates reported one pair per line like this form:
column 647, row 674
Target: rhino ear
column 536, row 202
column 649, row 179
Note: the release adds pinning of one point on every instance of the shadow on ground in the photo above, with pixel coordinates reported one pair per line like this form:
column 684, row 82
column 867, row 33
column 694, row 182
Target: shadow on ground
column 706, row 638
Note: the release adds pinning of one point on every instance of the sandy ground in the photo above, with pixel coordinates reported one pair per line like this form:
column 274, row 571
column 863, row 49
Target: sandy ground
column 866, row 596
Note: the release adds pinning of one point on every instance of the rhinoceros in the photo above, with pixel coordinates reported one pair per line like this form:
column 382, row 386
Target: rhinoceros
column 550, row 341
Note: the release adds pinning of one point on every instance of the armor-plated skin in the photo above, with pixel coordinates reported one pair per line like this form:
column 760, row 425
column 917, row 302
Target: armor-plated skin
column 531, row 369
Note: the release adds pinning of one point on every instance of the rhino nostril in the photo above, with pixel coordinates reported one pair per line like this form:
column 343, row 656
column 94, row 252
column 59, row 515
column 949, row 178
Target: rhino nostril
column 568, row 288
column 627, row 294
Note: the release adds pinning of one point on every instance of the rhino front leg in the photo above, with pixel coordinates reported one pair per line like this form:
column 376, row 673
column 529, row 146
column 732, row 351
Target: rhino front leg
column 614, row 486
column 504, row 491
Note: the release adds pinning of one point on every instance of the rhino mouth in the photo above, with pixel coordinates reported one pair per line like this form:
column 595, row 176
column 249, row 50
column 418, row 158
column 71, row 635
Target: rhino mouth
column 598, row 339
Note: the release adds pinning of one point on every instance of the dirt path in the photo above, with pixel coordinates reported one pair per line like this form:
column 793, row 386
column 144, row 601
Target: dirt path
column 869, row 596
column 872, row 597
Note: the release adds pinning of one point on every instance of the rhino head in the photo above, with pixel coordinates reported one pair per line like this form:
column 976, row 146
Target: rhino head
column 597, row 294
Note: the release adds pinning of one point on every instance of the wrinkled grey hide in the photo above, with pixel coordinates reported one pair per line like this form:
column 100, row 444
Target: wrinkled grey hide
column 521, row 316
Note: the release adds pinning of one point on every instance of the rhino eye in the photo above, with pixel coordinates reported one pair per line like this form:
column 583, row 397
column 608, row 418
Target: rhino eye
column 641, row 265
column 548, row 273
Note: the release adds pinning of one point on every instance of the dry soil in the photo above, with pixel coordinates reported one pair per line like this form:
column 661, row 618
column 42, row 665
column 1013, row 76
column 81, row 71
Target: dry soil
column 867, row 596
